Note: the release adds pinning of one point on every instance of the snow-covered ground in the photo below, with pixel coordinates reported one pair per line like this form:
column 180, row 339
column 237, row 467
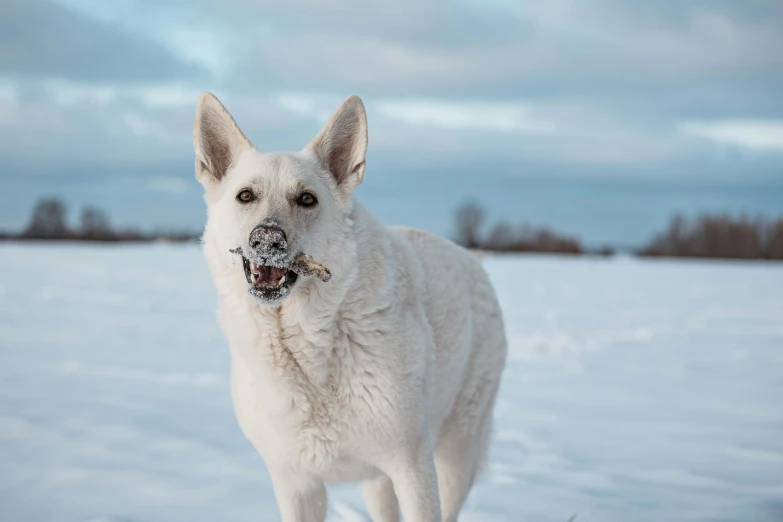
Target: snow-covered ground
column 635, row 391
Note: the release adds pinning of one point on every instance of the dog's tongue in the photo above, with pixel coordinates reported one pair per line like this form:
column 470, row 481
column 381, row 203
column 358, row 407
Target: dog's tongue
column 268, row 275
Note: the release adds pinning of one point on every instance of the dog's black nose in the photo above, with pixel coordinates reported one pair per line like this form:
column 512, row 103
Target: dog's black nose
column 268, row 237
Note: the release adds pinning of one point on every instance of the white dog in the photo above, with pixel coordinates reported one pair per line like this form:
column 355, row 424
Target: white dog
column 387, row 371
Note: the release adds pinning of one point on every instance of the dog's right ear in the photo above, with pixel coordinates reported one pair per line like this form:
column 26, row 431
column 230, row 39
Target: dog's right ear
column 216, row 139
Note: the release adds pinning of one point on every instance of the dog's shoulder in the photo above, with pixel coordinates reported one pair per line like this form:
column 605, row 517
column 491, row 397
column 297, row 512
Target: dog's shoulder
column 437, row 252
column 453, row 276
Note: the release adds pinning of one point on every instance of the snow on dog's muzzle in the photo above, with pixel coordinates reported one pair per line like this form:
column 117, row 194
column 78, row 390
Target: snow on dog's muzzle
column 268, row 246
column 272, row 281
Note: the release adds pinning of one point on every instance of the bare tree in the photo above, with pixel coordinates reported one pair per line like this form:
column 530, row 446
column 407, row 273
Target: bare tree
column 505, row 237
column 470, row 217
column 95, row 224
column 719, row 236
column 775, row 240
column 501, row 237
column 48, row 220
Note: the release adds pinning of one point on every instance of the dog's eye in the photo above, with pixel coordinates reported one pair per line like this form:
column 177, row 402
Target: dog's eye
column 307, row 200
column 245, row 196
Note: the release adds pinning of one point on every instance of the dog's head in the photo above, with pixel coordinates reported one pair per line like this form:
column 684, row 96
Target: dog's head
column 270, row 207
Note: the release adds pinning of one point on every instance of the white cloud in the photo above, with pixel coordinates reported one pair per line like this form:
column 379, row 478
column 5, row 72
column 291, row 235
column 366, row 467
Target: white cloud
column 435, row 129
column 432, row 48
column 144, row 127
column 149, row 122
column 85, row 123
column 171, row 185
column 761, row 135
column 546, row 130
column 157, row 95
column 164, row 96
column 64, row 92
column 502, row 117
column 191, row 36
column 308, row 105
column 621, row 37
column 9, row 97
column 9, row 91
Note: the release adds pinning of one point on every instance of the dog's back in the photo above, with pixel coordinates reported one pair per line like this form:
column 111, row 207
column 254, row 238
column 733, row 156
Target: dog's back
column 466, row 321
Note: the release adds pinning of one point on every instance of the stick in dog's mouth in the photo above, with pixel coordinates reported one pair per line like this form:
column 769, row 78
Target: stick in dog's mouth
column 303, row 265
column 307, row 266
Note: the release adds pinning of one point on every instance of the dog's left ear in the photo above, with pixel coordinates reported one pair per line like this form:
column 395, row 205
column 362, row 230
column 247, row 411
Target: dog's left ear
column 342, row 144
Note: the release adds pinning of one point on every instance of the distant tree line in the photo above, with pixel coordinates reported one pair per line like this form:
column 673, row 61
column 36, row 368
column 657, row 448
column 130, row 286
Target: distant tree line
column 707, row 236
column 721, row 236
column 505, row 237
column 49, row 221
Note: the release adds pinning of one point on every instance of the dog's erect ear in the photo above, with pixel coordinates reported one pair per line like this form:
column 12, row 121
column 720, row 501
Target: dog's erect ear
column 342, row 143
column 217, row 140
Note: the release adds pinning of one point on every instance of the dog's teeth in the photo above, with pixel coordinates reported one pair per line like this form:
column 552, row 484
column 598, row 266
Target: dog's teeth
column 282, row 280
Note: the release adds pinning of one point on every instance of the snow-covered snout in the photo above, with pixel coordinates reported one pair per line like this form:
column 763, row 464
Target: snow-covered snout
column 269, row 269
column 266, row 262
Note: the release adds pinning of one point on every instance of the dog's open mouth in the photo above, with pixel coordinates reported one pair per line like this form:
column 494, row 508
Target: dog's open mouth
column 272, row 283
column 268, row 282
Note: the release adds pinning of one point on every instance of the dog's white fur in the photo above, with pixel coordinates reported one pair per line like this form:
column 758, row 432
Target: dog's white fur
column 386, row 374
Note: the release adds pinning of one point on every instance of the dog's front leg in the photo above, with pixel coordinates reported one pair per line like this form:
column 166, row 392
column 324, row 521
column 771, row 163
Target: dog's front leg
column 416, row 484
column 300, row 497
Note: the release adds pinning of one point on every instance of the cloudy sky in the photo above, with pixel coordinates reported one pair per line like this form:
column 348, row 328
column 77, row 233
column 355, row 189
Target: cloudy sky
column 597, row 117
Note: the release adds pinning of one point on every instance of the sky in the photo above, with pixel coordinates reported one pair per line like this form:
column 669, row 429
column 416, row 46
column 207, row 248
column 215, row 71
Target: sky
column 599, row 118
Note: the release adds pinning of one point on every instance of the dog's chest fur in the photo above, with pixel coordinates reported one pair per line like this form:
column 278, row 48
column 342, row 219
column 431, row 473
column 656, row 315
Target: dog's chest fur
column 309, row 395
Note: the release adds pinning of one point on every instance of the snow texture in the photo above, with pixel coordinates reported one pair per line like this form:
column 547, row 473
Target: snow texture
column 635, row 391
column 269, row 248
